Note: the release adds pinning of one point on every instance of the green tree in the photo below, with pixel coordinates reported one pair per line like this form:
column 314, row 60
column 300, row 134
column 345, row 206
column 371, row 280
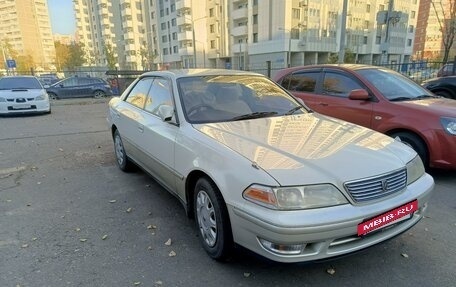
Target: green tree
column 62, row 53
column 76, row 56
column 349, row 57
column 446, row 17
column 24, row 63
column 110, row 55
column 147, row 57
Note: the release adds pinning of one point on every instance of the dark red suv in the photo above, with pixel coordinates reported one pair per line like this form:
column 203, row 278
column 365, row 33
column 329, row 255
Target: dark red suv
column 383, row 100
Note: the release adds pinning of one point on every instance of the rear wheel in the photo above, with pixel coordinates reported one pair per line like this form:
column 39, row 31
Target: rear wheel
column 415, row 142
column 121, row 157
column 212, row 219
column 99, row 94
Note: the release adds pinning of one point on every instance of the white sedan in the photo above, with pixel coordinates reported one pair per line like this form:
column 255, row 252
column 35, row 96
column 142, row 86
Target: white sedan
column 255, row 167
column 23, row 94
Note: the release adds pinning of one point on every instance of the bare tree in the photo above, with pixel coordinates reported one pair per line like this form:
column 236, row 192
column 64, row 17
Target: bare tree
column 446, row 17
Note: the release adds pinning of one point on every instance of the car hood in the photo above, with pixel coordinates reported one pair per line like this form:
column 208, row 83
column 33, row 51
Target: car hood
column 22, row 93
column 310, row 148
column 437, row 106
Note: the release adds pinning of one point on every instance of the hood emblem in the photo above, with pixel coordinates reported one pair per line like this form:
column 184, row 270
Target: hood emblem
column 385, row 185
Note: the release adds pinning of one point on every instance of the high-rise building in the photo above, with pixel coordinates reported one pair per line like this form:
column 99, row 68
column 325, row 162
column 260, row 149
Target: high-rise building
column 25, row 31
column 245, row 34
column 428, row 36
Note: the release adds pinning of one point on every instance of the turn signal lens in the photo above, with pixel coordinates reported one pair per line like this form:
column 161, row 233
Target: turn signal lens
column 261, row 195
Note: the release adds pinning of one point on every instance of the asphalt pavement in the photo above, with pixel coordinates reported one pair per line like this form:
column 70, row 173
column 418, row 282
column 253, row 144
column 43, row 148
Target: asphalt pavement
column 70, row 217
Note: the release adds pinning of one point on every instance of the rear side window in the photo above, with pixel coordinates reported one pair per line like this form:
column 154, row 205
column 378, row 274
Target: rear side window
column 301, row 82
column 138, row 94
column 339, row 85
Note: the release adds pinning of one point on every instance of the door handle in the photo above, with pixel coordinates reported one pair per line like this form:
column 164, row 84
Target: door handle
column 141, row 128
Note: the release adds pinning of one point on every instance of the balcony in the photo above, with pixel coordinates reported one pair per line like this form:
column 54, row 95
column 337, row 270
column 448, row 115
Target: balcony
column 185, row 35
column 130, row 47
column 183, row 20
column 186, row 51
column 131, row 58
column 239, row 31
column 183, row 5
column 239, row 14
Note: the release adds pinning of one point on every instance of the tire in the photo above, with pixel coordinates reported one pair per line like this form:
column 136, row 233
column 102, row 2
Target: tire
column 212, row 220
column 98, row 94
column 444, row 94
column 52, row 96
column 416, row 143
column 121, row 157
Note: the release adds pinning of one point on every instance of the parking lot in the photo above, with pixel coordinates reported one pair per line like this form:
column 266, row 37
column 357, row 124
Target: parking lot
column 70, row 217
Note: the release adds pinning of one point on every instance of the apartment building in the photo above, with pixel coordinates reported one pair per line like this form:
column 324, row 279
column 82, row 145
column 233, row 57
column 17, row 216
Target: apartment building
column 25, row 31
column 428, row 36
column 246, row 34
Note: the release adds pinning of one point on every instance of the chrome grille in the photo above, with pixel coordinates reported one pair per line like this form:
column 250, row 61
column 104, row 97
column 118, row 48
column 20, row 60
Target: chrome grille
column 377, row 187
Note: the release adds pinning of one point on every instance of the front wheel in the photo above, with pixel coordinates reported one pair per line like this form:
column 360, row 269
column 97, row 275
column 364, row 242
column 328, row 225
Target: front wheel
column 415, row 143
column 212, row 220
column 52, row 96
column 444, row 94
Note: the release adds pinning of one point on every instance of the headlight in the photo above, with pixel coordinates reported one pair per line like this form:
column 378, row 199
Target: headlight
column 42, row 97
column 2, row 99
column 449, row 125
column 295, row 197
column 415, row 169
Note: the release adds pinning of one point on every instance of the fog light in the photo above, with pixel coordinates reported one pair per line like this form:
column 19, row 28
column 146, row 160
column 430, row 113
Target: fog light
column 282, row 249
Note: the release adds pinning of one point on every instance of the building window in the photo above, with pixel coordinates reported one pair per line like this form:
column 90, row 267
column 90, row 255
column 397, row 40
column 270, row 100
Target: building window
column 378, row 40
column 173, row 22
column 409, row 42
column 412, row 14
column 175, row 50
column 294, row 34
column 255, row 2
column 211, row 12
column 381, row 7
column 175, row 36
column 163, row 26
column 368, row 8
column 213, row 46
column 162, row 13
column 165, row 51
column 164, row 39
column 296, row 13
column 255, row 19
column 212, row 28
column 255, row 37
column 152, row 15
column 410, row 29
column 366, row 24
column 365, row 40
column 173, row 7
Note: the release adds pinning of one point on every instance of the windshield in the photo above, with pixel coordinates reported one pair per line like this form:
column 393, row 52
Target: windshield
column 393, row 85
column 233, row 98
column 19, row 83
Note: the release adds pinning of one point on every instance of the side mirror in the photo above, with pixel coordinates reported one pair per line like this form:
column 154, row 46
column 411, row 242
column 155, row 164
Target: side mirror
column 46, row 86
column 359, row 95
column 166, row 112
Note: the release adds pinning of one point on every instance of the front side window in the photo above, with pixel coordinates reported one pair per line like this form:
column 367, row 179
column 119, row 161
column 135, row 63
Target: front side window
column 339, row 85
column 138, row 94
column 159, row 95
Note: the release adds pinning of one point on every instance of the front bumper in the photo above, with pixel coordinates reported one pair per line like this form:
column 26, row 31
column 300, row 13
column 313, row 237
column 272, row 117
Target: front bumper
column 324, row 232
column 442, row 146
column 9, row 108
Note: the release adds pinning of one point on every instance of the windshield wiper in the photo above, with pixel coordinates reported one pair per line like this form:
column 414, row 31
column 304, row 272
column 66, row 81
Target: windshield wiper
column 292, row 111
column 398, row 99
column 254, row 115
column 425, row 97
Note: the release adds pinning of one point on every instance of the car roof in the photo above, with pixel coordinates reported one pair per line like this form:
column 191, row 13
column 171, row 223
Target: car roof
column 349, row 67
column 184, row 73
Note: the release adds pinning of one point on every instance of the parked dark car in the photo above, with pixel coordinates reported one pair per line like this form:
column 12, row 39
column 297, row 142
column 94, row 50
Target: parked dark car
column 76, row 87
column 444, row 87
column 383, row 100
column 446, row 70
column 48, row 79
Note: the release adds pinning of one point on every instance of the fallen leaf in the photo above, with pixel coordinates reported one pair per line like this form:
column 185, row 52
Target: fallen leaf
column 404, row 255
column 83, row 239
column 151, row 226
column 158, row 283
column 129, row 210
column 331, row 271
column 137, row 283
column 152, row 233
column 33, row 168
column 149, row 248
column 60, row 149
column 39, row 182
column 104, row 237
column 78, row 229
column 24, row 245
column 112, row 201
column 34, row 239
column 63, row 216
column 246, row 274
column 172, row 254
column 168, row 243
column 9, row 200
column 426, row 229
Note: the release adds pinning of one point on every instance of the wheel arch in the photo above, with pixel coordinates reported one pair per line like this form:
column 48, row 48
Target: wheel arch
column 113, row 130
column 445, row 90
column 419, row 136
column 190, row 183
